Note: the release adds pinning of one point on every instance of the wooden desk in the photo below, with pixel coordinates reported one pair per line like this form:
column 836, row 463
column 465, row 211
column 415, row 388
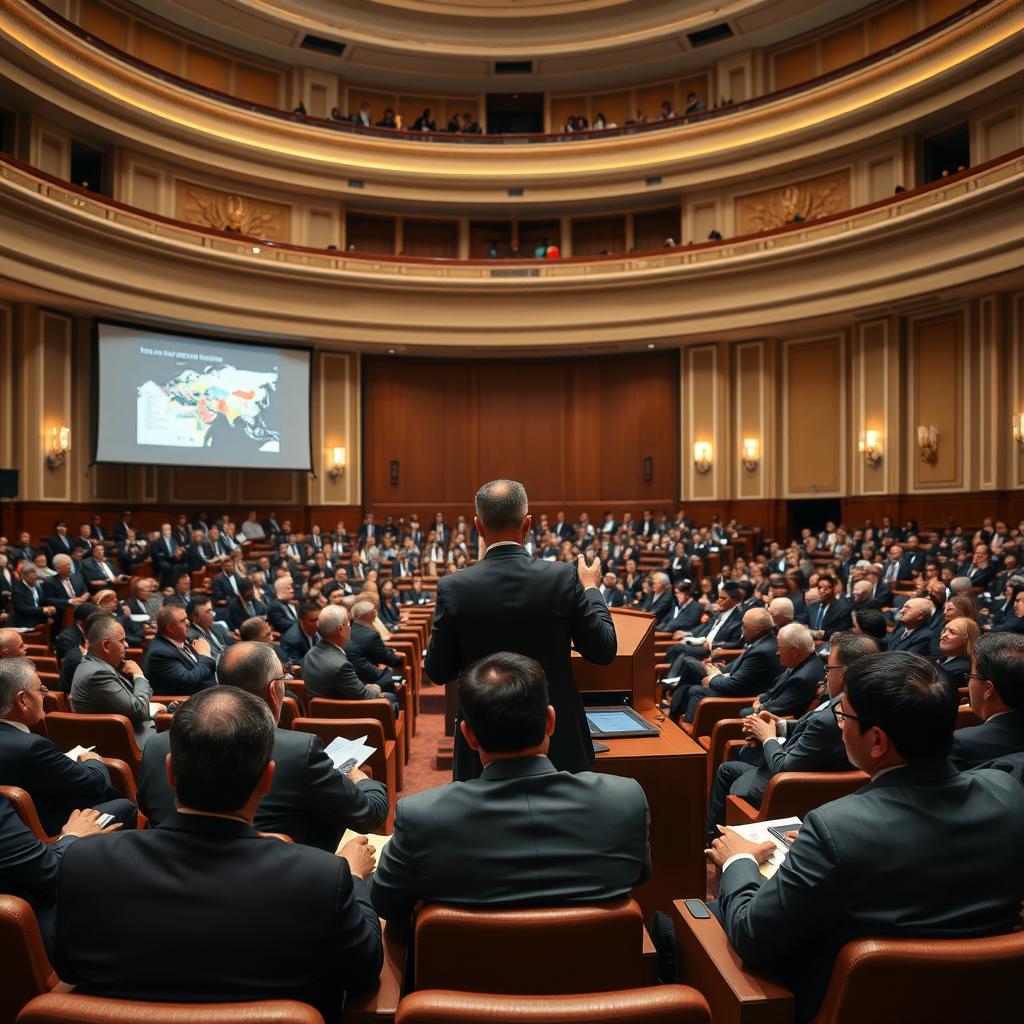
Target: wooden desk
column 672, row 769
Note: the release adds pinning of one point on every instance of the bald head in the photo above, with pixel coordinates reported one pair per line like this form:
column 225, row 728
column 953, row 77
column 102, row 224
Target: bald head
column 916, row 612
column 11, row 644
column 862, row 591
column 757, row 622
column 781, row 611
column 501, row 505
column 250, row 666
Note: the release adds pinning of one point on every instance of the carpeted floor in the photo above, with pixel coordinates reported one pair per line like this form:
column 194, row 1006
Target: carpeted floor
column 420, row 772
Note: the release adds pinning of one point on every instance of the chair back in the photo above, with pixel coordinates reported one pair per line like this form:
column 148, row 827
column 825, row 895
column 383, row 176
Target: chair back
column 25, row 808
column 111, row 735
column 72, row 1008
column 329, row 729
column 966, row 717
column 289, row 712
column 605, row 940
column 27, row 971
column 662, row 1004
column 377, row 707
column 925, row 980
column 54, row 700
column 793, row 794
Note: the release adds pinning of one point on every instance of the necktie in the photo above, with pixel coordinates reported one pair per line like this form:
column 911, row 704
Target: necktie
column 35, row 596
column 172, row 545
column 106, row 570
column 70, row 589
column 821, row 615
column 190, row 654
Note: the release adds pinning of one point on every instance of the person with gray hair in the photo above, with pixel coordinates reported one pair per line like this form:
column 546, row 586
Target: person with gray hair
column 65, row 588
column 510, row 602
column 29, row 605
column 374, row 661
column 308, row 799
column 660, row 603
column 961, row 585
column 803, row 671
column 781, row 611
column 912, row 634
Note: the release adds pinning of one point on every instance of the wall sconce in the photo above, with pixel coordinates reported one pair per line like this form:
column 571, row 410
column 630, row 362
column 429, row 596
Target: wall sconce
column 928, row 443
column 702, row 456
column 1018, row 430
column 751, row 453
column 870, row 446
column 337, row 463
column 58, row 448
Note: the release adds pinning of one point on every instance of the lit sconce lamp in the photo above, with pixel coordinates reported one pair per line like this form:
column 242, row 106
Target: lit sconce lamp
column 59, row 446
column 751, row 453
column 337, row 461
column 928, row 443
column 702, row 456
column 870, row 446
column 1018, row 430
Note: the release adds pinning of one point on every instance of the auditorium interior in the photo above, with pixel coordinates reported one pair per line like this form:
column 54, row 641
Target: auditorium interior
column 294, row 296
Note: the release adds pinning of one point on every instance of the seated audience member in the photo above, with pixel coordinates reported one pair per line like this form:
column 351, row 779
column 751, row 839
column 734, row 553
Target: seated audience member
column 871, row 622
column 313, row 906
column 611, row 592
column 367, row 651
column 749, row 674
column 245, row 605
column 813, row 743
column 661, row 605
column 1012, row 622
column 106, row 684
column 57, row 784
column 282, row 613
column 832, row 613
column 97, row 571
column 174, row 664
column 416, row 595
column 996, row 690
column 308, row 800
column 29, row 606
column 911, row 634
column 470, row 843
column 252, row 529
column 390, row 607
column 66, row 589
column 181, row 590
column 956, row 647
column 11, row 644
column 301, row 636
column 781, row 611
column 71, row 646
column 203, row 626
column 107, row 601
column 723, row 629
column 28, row 866
column 225, row 585
column 256, row 629
column 687, row 614
column 795, row 688
column 920, row 851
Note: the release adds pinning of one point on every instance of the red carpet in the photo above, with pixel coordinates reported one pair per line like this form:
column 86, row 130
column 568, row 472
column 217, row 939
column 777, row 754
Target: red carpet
column 420, row 772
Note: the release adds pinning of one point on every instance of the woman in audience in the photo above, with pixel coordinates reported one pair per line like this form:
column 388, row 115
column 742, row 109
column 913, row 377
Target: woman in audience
column 960, row 606
column 679, row 566
column 708, row 593
column 956, row 649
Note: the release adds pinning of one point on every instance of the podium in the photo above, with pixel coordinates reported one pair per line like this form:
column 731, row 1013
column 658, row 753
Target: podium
column 671, row 767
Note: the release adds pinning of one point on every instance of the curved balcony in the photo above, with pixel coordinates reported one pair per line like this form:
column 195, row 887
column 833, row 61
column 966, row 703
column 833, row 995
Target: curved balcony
column 955, row 62
column 954, row 237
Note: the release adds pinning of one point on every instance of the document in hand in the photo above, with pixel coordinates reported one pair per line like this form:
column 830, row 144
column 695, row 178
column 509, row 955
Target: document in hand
column 340, row 750
column 75, row 752
column 760, row 832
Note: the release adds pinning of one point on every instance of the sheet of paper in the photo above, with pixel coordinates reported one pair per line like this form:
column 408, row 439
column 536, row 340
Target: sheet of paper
column 154, row 708
column 340, row 750
column 376, row 841
column 757, row 832
column 139, row 618
column 74, row 752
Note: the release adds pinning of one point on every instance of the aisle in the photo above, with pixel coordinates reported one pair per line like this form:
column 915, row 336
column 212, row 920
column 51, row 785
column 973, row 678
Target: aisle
column 420, row 772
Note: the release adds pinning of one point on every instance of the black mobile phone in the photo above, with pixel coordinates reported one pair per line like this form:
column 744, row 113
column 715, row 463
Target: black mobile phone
column 697, row 909
column 780, row 833
column 347, row 766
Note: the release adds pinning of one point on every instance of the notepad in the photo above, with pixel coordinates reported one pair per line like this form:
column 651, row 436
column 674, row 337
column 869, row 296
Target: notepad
column 75, row 752
column 758, row 832
column 376, row 841
column 341, row 749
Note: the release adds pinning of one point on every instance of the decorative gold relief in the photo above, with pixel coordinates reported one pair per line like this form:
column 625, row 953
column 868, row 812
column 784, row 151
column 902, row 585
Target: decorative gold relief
column 229, row 211
column 806, row 200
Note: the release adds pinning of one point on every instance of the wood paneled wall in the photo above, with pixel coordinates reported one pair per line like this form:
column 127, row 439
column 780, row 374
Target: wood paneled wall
column 576, row 430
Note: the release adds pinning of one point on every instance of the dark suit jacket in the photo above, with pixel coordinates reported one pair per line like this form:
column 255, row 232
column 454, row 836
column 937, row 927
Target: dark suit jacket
column 308, row 799
column 98, row 689
column 663, row 608
column 237, row 613
column 794, row 689
column 56, row 784
column 730, row 635
column 982, row 577
column 489, row 841
column 509, row 601
column 92, row 573
column 956, row 671
column 55, row 593
column 279, row 618
column 917, row 642
column 856, row 870
column 686, row 618
column 366, row 650
column 838, row 617
column 221, row 588
column 994, row 738
column 67, row 640
column 25, row 610
column 56, row 546
column 750, row 673
column 294, row 644
column 326, row 937
column 171, row 671
column 614, row 598
column 328, row 672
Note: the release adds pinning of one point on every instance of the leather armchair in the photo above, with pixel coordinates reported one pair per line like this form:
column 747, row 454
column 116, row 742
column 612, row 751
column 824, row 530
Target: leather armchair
column 600, row 935
column 713, row 709
column 663, row 1004
column 27, row 971
column 111, row 735
column 71, row 1008
column 379, row 708
column 25, row 808
column 793, row 794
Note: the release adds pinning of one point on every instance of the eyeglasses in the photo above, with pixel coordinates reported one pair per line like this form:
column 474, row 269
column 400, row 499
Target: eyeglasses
column 841, row 715
column 286, row 678
column 833, row 668
column 972, row 675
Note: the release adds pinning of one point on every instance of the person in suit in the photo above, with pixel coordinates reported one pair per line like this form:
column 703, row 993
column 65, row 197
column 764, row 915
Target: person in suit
column 104, row 683
column 11, row 644
column 314, row 905
column 301, row 636
column 168, row 555
column 956, row 641
column 661, row 605
column 509, row 600
column 749, row 674
column 203, row 626
column 724, row 629
column 996, row 688
column 57, row 784
column 67, row 640
column 861, row 598
column 225, row 586
column 1014, row 622
column 610, row 591
column 911, row 634
column 272, row 529
column 124, row 526
column 833, row 613
column 796, row 687
column 60, row 542
column 470, row 844
column 282, row 613
column 813, row 743
column 174, row 664
column 368, row 652
column 181, row 590
column 309, row 800
column 416, row 595
column 855, row 869
column 97, row 571
column 29, row 606
column 983, row 569
column 897, row 569
column 244, row 605
column 688, row 611
column 66, row 589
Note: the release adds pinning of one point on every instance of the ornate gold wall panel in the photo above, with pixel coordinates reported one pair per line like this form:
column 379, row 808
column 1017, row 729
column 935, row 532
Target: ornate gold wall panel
column 231, row 211
column 808, row 200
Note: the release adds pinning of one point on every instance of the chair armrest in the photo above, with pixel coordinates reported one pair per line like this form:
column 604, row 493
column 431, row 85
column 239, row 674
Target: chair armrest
column 713, row 709
column 381, row 1003
column 709, row 963
column 121, row 776
column 739, row 812
column 722, row 732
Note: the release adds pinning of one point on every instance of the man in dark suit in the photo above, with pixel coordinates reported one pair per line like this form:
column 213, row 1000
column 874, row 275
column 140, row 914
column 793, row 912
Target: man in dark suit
column 56, row 783
column 794, row 688
column 911, row 634
column 983, row 570
column 996, row 687
column 561, row 529
column 368, row 529
column 896, row 569
column 725, row 629
column 832, row 613
column 308, row 799
column 416, row 594
column 315, row 905
column 174, row 664
column 97, row 571
column 282, row 612
column 749, row 674
column 470, row 843
column 537, row 608
column 60, row 542
column 168, row 555
column 29, row 605
column 301, row 637
column 327, row 670
column 861, row 865
column 245, row 605
column 367, row 651
column 225, row 587
column 813, row 743
column 74, row 636
column 688, row 611
column 613, row 596
column 123, row 526
column 202, row 625
column 661, row 606
column 65, row 589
